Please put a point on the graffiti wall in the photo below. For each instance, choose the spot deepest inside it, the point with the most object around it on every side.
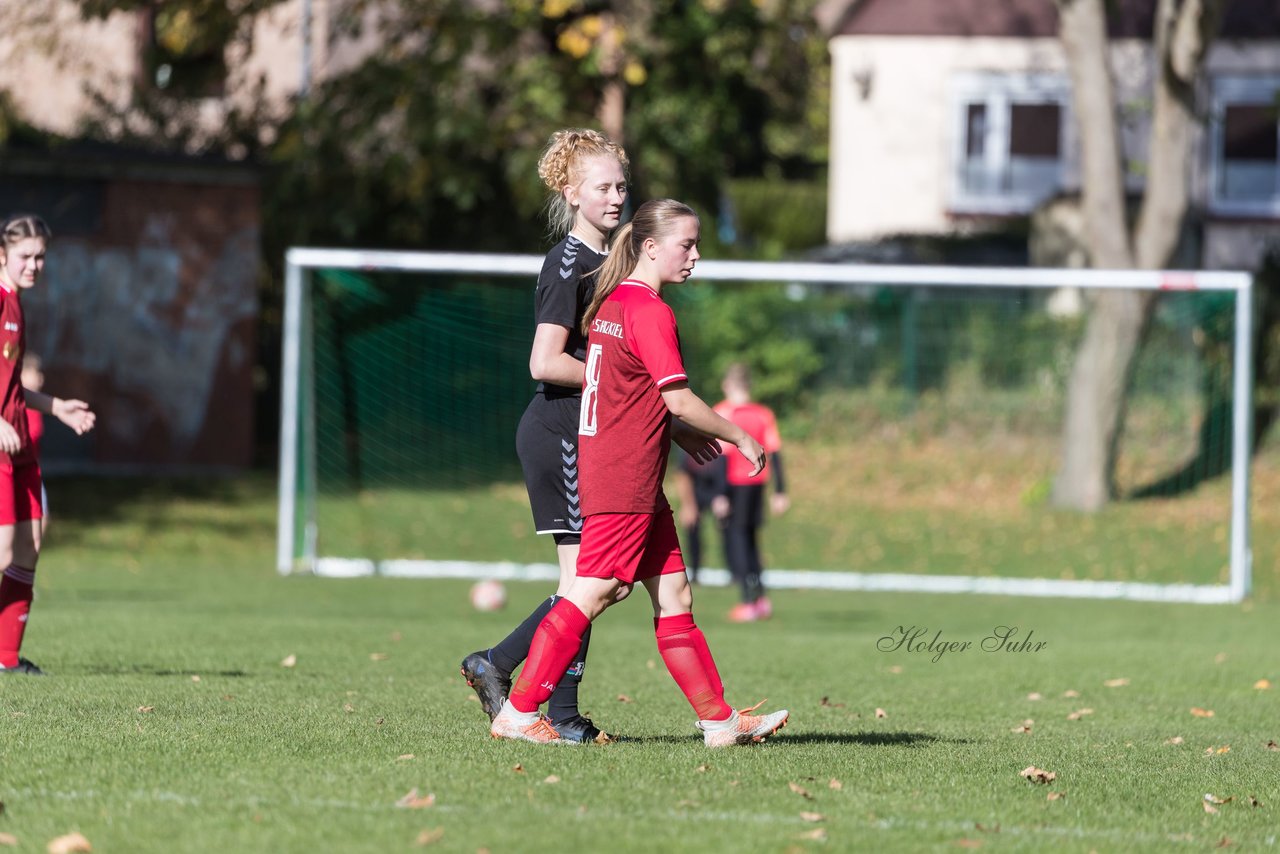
(150, 315)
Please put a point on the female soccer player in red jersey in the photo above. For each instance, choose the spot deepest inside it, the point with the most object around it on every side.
(585, 173)
(23, 241)
(635, 387)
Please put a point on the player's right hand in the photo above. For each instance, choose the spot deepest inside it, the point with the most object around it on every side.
(9, 441)
(751, 449)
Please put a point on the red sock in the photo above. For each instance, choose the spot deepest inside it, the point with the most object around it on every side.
(558, 638)
(15, 604)
(685, 652)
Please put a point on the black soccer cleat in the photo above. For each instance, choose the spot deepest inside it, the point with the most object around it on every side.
(24, 667)
(490, 685)
(580, 730)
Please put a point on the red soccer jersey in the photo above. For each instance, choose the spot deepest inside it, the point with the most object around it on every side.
(13, 406)
(757, 419)
(625, 428)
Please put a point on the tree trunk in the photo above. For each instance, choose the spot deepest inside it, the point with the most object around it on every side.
(1096, 391)
(1117, 320)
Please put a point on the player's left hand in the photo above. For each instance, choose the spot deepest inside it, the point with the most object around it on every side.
(779, 503)
(76, 414)
(697, 445)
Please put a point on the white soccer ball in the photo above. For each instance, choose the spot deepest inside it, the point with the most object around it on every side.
(488, 595)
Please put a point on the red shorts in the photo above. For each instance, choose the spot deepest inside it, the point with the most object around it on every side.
(630, 546)
(20, 490)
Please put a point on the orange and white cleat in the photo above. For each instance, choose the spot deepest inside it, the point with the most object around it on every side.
(534, 727)
(742, 727)
(743, 612)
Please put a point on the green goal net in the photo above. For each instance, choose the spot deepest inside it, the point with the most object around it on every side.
(922, 412)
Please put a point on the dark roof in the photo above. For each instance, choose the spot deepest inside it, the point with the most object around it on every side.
(1242, 20)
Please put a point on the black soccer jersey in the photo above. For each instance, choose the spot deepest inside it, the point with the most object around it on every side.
(565, 287)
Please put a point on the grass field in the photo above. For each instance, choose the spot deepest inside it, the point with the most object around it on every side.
(171, 723)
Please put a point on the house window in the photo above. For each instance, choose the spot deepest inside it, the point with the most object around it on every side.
(1244, 172)
(1009, 141)
(184, 49)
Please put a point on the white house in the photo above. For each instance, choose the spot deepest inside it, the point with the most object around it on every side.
(949, 113)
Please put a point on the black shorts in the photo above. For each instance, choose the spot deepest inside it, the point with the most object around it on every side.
(746, 506)
(547, 443)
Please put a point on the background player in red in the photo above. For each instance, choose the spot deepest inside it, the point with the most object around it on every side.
(23, 242)
(586, 174)
(742, 506)
(635, 388)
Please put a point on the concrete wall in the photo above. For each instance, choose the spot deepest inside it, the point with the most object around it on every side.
(148, 310)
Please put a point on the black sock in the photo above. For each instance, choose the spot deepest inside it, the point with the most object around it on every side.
(564, 700)
(514, 648)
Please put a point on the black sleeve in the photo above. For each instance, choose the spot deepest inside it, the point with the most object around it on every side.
(775, 463)
(556, 300)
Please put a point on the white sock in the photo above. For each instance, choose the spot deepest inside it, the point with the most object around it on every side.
(515, 714)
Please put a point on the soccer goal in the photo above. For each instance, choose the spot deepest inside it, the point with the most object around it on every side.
(922, 411)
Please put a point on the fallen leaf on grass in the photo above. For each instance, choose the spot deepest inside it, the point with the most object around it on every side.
(1271, 745)
(396, 637)
(1209, 808)
(1177, 739)
(1116, 683)
(968, 843)
(1213, 751)
(812, 816)
(1025, 728)
(826, 701)
(429, 837)
(551, 779)
(412, 801)
(623, 698)
(1262, 684)
(985, 829)
(880, 713)
(1219, 658)
(289, 661)
(800, 790)
(702, 769)
(68, 844)
(145, 709)
(651, 664)
(686, 804)
(835, 784)
(518, 768)
(8, 839)
(1198, 712)
(378, 656)
(1035, 695)
(1071, 693)
(1078, 714)
(818, 834)
(348, 708)
(1217, 801)
(897, 668)
(1224, 842)
(1254, 802)
(195, 678)
(403, 756)
(1038, 775)
(1056, 796)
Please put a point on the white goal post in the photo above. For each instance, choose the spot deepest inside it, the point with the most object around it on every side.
(296, 549)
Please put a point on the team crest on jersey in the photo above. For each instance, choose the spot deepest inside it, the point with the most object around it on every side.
(10, 351)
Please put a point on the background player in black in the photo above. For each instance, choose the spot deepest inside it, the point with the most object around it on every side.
(586, 174)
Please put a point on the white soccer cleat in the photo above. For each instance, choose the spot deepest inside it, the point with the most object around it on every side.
(742, 727)
(532, 726)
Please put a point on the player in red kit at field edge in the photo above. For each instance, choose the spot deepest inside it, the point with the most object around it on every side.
(634, 391)
(23, 241)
